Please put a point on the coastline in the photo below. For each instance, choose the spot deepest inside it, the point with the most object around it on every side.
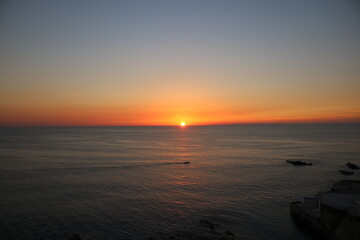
(334, 214)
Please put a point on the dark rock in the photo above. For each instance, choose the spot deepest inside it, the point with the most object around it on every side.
(301, 163)
(307, 214)
(228, 233)
(352, 166)
(333, 214)
(204, 230)
(298, 163)
(74, 237)
(344, 172)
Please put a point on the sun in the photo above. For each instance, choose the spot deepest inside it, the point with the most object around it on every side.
(183, 124)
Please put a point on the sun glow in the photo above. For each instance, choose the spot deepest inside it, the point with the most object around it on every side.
(183, 124)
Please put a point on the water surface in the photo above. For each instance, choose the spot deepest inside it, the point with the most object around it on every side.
(129, 182)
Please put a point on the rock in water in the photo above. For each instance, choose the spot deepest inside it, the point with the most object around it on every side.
(74, 237)
(344, 172)
(352, 166)
(204, 230)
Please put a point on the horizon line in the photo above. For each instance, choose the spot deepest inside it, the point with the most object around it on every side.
(189, 125)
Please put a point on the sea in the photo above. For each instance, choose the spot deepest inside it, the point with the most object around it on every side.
(131, 182)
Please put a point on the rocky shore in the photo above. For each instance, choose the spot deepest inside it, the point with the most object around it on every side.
(334, 214)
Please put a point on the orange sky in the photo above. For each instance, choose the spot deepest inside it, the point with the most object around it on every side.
(42, 110)
(199, 100)
(161, 64)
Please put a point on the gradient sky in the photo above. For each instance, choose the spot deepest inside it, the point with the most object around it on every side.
(80, 63)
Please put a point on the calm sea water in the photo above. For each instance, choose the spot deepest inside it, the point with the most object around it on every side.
(128, 182)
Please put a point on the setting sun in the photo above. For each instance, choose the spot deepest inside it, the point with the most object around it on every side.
(183, 124)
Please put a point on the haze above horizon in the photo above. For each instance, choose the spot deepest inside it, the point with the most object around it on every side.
(136, 63)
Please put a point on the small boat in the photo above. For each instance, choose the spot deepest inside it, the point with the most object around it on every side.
(345, 172)
(186, 162)
(352, 166)
(298, 163)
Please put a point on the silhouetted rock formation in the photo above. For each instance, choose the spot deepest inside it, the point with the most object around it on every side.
(204, 230)
(352, 166)
(335, 214)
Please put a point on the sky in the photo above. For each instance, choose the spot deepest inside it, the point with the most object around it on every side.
(120, 63)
